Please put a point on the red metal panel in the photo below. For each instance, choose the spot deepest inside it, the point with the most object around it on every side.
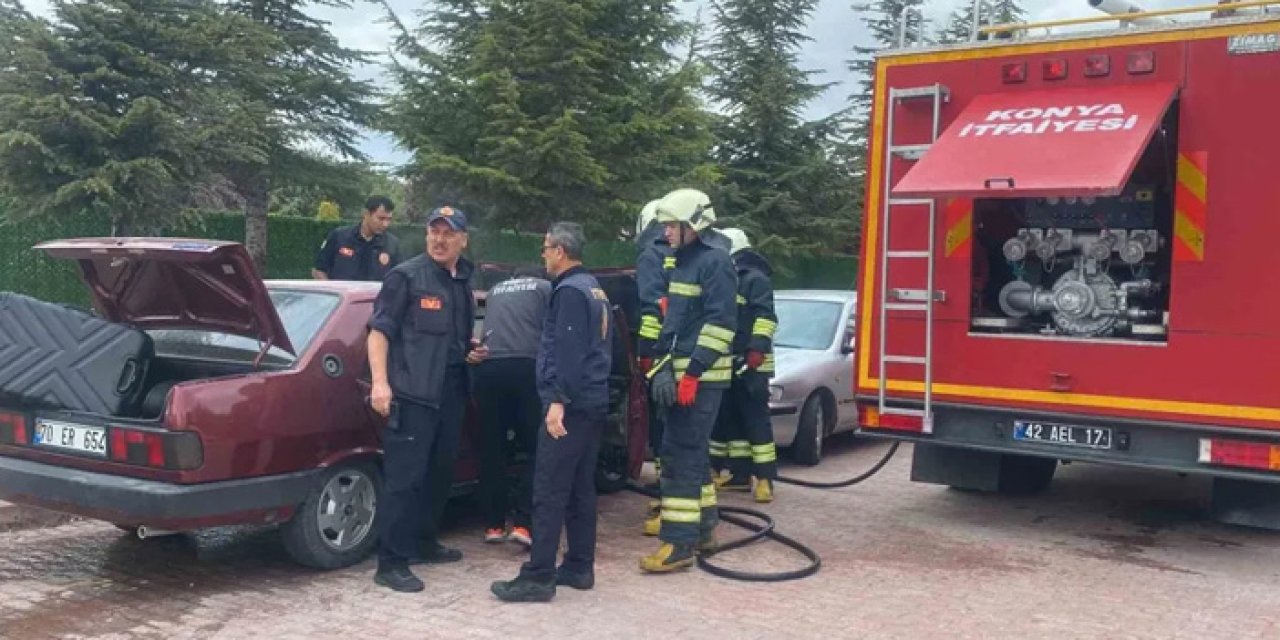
(1075, 141)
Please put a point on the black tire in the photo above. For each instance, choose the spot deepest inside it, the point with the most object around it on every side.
(1025, 475)
(322, 543)
(611, 470)
(810, 431)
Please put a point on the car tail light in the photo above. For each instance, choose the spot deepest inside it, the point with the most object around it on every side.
(1141, 62)
(871, 418)
(1055, 69)
(13, 428)
(1013, 72)
(1239, 453)
(1097, 66)
(160, 449)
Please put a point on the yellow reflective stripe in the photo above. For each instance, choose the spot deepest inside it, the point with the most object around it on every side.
(764, 327)
(669, 262)
(741, 300)
(718, 448)
(762, 453)
(717, 376)
(685, 289)
(715, 344)
(683, 517)
(682, 509)
(650, 327)
(739, 449)
(717, 332)
(720, 371)
(708, 496)
(723, 362)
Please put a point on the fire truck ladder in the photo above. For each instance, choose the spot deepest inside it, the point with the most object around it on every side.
(908, 300)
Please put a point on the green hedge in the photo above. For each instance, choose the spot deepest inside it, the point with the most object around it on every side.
(294, 241)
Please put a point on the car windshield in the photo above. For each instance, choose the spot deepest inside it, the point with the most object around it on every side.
(301, 312)
(806, 324)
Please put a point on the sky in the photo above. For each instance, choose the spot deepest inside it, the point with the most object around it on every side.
(834, 29)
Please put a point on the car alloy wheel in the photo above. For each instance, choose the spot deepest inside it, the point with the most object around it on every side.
(345, 510)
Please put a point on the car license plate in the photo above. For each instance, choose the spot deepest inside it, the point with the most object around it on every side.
(73, 437)
(1065, 434)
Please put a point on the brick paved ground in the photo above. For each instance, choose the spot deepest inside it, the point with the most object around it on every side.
(1107, 553)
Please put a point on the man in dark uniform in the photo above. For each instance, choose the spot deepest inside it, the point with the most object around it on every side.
(653, 261)
(362, 251)
(574, 359)
(690, 378)
(743, 426)
(419, 346)
(506, 391)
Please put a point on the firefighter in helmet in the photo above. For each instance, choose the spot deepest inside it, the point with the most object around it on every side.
(743, 430)
(654, 260)
(690, 374)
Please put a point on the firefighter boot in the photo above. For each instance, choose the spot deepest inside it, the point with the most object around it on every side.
(653, 521)
(733, 483)
(764, 490)
(668, 558)
(653, 525)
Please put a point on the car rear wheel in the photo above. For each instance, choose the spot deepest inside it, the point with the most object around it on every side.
(812, 427)
(335, 526)
(611, 470)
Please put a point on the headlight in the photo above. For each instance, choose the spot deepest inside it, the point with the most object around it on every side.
(775, 394)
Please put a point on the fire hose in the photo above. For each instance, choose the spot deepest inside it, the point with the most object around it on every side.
(766, 528)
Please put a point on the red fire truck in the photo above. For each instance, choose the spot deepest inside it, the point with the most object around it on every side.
(1067, 245)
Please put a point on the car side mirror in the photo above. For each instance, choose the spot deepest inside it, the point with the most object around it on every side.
(846, 347)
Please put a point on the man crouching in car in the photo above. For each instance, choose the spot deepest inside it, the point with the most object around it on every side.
(419, 346)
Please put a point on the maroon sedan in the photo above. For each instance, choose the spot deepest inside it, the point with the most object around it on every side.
(256, 411)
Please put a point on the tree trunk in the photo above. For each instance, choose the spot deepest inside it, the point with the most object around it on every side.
(255, 192)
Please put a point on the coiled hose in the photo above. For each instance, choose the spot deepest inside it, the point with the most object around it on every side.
(766, 529)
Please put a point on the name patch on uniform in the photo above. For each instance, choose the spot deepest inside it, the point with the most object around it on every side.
(346, 252)
(431, 303)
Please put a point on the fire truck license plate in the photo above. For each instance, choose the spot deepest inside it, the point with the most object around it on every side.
(1071, 435)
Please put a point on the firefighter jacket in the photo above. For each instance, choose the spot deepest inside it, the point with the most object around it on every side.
(701, 315)
(653, 263)
(756, 318)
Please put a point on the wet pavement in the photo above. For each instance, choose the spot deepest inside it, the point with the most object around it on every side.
(1106, 552)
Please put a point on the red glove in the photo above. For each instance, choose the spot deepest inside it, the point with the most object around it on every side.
(662, 305)
(645, 364)
(755, 359)
(687, 391)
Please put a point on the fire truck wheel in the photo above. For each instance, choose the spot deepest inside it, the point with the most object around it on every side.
(812, 428)
(1025, 475)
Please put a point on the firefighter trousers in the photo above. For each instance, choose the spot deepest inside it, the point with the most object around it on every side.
(742, 440)
(688, 494)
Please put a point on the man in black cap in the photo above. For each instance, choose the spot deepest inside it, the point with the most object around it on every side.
(363, 251)
(419, 347)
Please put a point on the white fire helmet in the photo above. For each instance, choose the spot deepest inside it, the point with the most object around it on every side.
(689, 206)
(737, 239)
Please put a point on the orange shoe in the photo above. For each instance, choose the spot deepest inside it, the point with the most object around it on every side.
(521, 535)
(495, 535)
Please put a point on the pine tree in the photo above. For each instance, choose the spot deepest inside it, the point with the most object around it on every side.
(317, 101)
(780, 184)
(124, 108)
(526, 111)
(959, 26)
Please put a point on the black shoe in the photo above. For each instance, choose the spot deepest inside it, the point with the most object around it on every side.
(438, 555)
(398, 579)
(580, 581)
(523, 590)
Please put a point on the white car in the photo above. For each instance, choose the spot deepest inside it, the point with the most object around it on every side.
(811, 392)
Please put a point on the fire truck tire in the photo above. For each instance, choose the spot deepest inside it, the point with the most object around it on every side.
(1025, 475)
(806, 449)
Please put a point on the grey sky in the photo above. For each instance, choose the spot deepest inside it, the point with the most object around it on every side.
(834, 28)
